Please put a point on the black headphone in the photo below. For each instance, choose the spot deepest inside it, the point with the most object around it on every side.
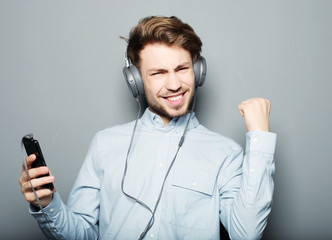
(135, 83)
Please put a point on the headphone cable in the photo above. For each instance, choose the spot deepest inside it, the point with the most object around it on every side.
(151, 221)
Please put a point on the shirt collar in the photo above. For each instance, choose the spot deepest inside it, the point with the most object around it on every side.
(154, 121)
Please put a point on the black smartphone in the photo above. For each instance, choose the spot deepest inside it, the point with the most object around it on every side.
(32, 147)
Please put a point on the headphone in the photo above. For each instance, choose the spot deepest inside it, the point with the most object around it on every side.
(135, 83)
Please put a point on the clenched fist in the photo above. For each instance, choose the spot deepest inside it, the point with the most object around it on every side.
(256, 112)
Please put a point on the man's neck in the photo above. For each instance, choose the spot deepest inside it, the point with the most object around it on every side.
(166, 120)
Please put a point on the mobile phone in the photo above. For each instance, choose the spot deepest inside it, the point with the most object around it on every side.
(32, 146)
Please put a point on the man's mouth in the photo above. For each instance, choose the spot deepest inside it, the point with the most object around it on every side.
(176, 99)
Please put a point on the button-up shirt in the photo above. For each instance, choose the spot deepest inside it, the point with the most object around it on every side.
(212, 180)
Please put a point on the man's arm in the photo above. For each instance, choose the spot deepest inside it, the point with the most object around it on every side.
(59, 220)
(246, 185)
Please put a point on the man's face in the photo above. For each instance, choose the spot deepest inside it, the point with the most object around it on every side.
(168, 79)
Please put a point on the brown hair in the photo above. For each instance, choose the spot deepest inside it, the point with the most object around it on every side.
(166, 30)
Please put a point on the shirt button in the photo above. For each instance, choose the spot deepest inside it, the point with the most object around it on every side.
(151, 235)
(51, 210)
(161, 165)
(194, 184)
(255, 139)
(54, 230)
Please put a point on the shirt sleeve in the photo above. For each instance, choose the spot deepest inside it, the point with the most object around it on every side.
(79, 218)
(246, 187)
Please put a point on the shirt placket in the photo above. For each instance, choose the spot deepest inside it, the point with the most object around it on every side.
(161, 166)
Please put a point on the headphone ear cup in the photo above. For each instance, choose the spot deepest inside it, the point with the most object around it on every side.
(134, 80)
(200, 70)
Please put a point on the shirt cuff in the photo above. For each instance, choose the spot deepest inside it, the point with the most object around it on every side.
(52, 209)
(261, 141)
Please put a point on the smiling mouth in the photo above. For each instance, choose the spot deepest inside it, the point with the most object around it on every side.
(175, 99)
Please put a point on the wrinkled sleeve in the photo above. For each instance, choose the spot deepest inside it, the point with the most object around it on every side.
(79, 218)
(246, 186)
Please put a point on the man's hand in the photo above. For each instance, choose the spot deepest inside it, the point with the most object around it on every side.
(45, 195)
(256, 112)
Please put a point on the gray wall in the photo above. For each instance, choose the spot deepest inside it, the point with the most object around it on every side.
(60, 72)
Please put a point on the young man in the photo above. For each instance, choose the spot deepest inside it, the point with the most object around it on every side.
(157, 189)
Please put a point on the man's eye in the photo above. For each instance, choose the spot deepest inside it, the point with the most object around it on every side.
(182, 69)
(155, 73)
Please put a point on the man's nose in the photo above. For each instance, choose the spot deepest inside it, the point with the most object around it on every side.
(173, 82)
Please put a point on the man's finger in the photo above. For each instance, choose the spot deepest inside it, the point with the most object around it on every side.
(36, 172)
(41, 193)
(30, 159)
(36, 183)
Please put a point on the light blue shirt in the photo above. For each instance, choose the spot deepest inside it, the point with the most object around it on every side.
(211, 181)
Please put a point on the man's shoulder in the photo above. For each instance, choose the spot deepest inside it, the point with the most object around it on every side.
(117, 128)
(115, 132)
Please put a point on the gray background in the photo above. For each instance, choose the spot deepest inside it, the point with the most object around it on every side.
(60, 72)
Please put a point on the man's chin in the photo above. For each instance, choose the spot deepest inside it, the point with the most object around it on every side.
(169, 113)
